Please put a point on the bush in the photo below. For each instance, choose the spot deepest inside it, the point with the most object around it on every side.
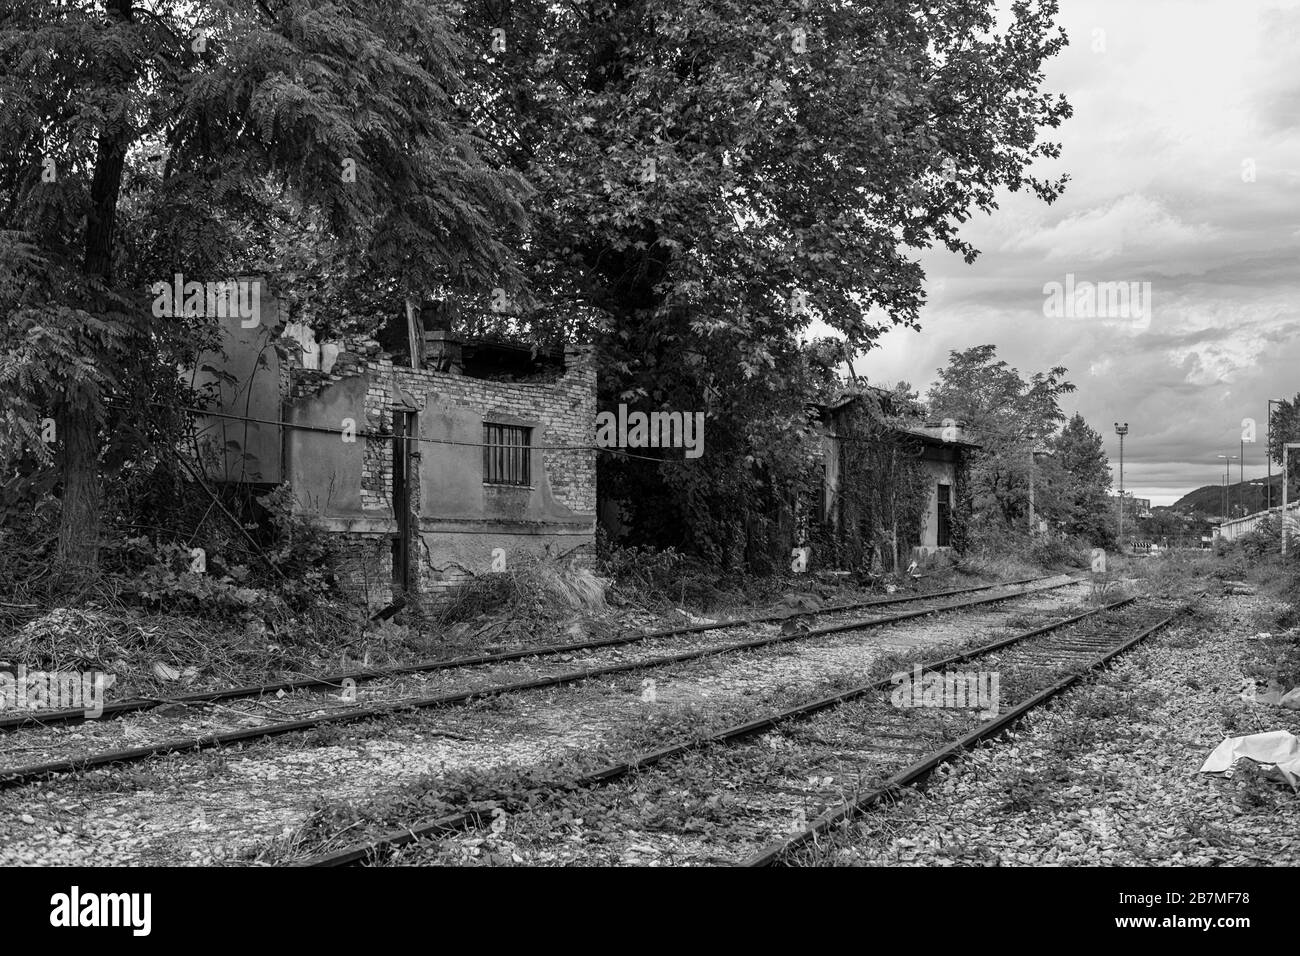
(26, 559)
(171, 580)
(206, 578)
(667, 579)
(637, 568)
(1054, 551)
(299, 548)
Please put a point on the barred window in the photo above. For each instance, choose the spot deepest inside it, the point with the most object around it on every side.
(506, 454)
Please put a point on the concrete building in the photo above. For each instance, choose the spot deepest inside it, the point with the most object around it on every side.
(427, 475)
(1133, 507)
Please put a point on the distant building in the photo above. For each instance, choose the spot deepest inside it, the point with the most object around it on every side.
(1134, 507)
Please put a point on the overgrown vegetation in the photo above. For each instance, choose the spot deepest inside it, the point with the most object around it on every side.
(204, 598)
(883, 490)
(535, 601)
(139, 145)
(625, 140)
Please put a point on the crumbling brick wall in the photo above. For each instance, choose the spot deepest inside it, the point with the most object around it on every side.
(562, 404)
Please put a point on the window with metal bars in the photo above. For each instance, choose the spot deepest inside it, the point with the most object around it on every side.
(506, 454)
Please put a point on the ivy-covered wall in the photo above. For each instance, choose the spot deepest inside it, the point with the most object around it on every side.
(879, 509)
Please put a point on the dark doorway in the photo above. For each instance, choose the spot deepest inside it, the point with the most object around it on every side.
(403, 433)
(945, 516)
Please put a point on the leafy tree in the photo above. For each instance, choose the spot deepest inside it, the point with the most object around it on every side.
(1079, 483)
(689, 183)
(1010, 417)
(1284, 426)
(712, 175)
(139, 141)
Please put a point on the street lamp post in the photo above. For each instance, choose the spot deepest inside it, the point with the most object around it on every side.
(1255, 484)
(1121, 431)
(1241, 477)
(1227, 475)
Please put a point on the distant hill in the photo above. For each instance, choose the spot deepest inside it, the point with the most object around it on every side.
(1208, 500)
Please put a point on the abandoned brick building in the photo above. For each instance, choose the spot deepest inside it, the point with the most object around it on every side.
(430, 469)
(931, 458)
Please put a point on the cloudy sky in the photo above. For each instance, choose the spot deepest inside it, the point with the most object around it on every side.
(1175, 107)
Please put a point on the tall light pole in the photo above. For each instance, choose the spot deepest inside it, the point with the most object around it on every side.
(1241, 477)
(1227, 474)
(1121, 431)
(1255, 484)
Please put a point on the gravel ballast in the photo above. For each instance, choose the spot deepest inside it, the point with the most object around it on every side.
(1107, 775)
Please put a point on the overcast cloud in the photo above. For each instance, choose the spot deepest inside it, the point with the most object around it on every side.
(1166, 117)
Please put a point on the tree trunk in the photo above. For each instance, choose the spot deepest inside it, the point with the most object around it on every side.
(79, 526)
(78, 428)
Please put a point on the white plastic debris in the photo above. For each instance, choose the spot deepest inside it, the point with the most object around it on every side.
(165, 671)
(1277, 748)
(1276, 695)
(695, 620)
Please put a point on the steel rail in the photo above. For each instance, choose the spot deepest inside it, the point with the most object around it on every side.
(134, 705)
(20, 775)
(416, 832)
(773, 853)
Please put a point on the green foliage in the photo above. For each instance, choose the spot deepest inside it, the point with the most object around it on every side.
(884, 488)
(1025, 436)
(821, 167)
(667, 580)
(1283, 427)
(776, 174)
(300, 549)
(1075, 496)
(167, 583)
(130, 151)
(292, 572)
(641, 570)
(1264, 541)
(1057, 552)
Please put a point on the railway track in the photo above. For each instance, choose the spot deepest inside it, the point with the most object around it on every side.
(316, 712)
(823, 827)
(336, 681)
(779, 785)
